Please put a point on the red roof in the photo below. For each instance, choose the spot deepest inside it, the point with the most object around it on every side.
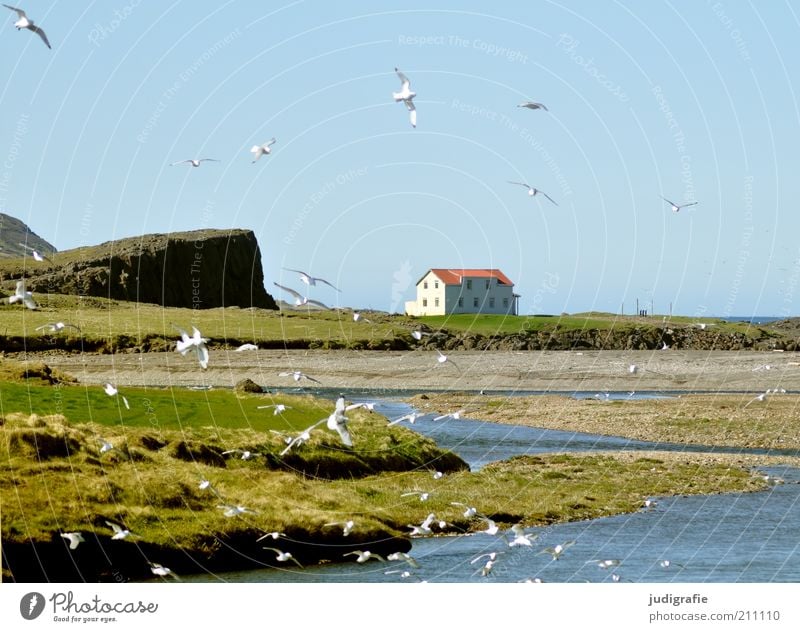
(453, 276)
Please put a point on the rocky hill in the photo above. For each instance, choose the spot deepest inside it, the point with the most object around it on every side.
(14, 233)
(198, 269)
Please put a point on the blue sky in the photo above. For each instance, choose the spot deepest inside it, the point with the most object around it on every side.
(692, 100)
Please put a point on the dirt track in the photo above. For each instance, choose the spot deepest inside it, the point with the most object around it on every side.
(420, 370)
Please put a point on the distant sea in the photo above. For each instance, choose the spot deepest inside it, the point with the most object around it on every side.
(754, 320)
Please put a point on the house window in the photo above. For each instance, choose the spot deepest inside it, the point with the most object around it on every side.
(436, 284)
(487, 283)
(469, 285)
(475, 302)
(436, 302)
(491, 302)
(424, 302)
(505, 302)
(461, 301)
(425, 285)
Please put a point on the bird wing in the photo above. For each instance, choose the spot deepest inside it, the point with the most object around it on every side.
(29, 302)
(270, 143)
(294, 293)
(208, 160)
(344, 434)
(20, 12)
(689, 204)
(202, 355)
(404, 81)
(412, 113)
(548, 197)
(41, 34)
(327, 283)
(523, 184)
(317, 303)
(668, 201)
(51, 327)
(180, 162)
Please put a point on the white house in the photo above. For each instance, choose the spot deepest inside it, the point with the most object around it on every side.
(460, 291)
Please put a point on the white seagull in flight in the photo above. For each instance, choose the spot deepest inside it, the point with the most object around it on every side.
(406, 96)
(283, 556)
(25, 23)
(678, 207)
(195, 162)
(56, 327)
(442, 358)
(310, 280)
(75, 538)
(22, 294)
(111, 391)
(260, 150)
(196, 342)
(297, 376)
(37, 256)
(299, 299)
(533, 190)
(531, 105)
(338, 421)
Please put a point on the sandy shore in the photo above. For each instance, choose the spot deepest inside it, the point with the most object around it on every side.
(419, 370)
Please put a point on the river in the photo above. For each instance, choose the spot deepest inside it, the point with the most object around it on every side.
(749, 537)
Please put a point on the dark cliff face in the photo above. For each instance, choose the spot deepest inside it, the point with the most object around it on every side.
(199, 269)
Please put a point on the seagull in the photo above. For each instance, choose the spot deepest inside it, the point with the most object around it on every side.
(437, 475)
(417, 334)
(338, 422)
(557, 550)
(105, 446)
(234, 510)
(425, 527)
(678, 207)
(111, 391)
(605, 564)
(283, 556)
(491, 526)
(196, 342)
(633, 369)
(260, 150)
(195, 162)
(521, 538)
(120, 532)
(358, 317)
(370, 406)
(410, 418)
(442, 358)
(469, 512)
(272, 534)
(161, 571)
(302, 437)
(531, 105)
(37, 256)
(649, 503)
(487, 568)
(247, 347)
(75, 538)
(406, 96)
(403, 574)
(310, 280)
(25, 23)
(405, 557)
(56, 327)
(423, 496)
(763, 396)
(533, 191)
(300, 300)
(22, 294)
(279, 408)
(297, 376)
(455, 415)
(206, 484)
(363, 556)
(246, 455)
(347, 527)
(668, 564)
